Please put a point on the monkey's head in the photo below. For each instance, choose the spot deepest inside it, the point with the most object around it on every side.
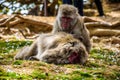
(77, 57)
(67, 15)
(75, 52)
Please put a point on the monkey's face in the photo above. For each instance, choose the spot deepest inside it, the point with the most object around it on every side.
(66, 22)
(73, 52)
(74, 58)
(68, 16)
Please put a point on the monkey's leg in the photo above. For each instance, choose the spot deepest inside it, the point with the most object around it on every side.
(42, 44)
(20, 55)
(26, 52)
(31, 51)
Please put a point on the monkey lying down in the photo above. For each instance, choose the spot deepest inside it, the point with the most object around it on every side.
(59, 48)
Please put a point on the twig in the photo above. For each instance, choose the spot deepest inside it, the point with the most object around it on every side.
(22, 19)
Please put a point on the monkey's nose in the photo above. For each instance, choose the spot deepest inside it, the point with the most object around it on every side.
(65, 13)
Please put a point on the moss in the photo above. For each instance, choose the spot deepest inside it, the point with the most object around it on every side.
(11, 75)
(10, 46)
(38, 75)
(96, 68)
(106, 56)
(62, 77)
(82, 74)
(17, 62)
(2, 72)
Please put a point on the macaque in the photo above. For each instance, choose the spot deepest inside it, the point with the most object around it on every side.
(59, 48)
(68, 20)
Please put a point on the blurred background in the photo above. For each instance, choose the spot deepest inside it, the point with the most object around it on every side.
(48, 7)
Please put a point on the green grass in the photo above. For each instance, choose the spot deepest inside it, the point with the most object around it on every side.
(101, 65)
(17, 62)
(38, 75)
(11, 75)
(9, 46)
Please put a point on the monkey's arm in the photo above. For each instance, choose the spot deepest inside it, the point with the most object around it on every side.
(82, 33)
(20, 55)
(86, 40)
(26, 52)
(55, 27)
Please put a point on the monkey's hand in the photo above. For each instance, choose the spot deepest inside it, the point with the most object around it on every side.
(78, 37)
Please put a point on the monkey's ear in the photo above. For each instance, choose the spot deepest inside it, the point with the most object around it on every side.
(76, 10)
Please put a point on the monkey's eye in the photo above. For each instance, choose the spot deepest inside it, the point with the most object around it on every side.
(66, 19)
(66, 12)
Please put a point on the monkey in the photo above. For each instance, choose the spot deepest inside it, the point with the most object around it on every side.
(69, 20)
(59, 48)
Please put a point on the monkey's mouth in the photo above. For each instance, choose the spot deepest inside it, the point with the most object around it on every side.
(65, 22)
(74, 58)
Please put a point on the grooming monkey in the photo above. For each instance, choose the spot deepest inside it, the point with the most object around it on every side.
(68, 20)
(59, 48)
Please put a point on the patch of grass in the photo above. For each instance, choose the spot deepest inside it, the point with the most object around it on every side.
(11, 75)
(10, 46)
(38, 75)
(117, 75)
(2, 72)
(17, 62)
(98, 66)
(106, 56)
(61, 77)
(93, 64)
(84, 74)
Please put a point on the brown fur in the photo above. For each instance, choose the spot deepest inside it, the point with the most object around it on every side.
(54, 48)
(79, 31)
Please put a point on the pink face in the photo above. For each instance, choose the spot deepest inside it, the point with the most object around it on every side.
(66, 23)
